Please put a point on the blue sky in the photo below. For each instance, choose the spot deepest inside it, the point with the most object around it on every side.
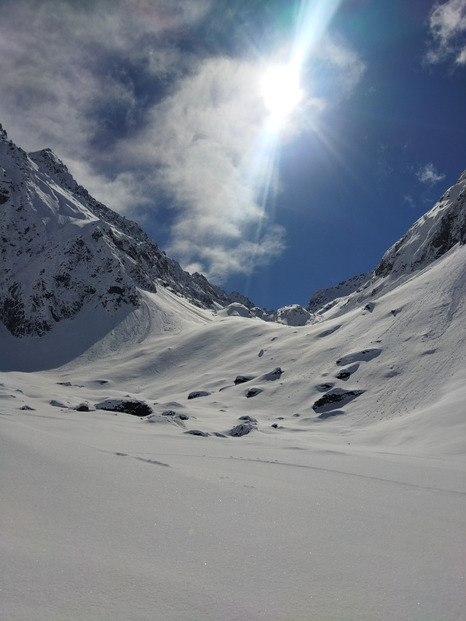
(159, 108)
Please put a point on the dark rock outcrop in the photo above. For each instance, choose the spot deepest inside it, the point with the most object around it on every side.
(127, 406)
(334, 397)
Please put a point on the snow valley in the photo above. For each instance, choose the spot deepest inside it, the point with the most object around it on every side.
(171, 451)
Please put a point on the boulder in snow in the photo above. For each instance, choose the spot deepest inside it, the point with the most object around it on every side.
(127, 406)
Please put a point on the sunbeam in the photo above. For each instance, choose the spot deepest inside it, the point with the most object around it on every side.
(284, 97)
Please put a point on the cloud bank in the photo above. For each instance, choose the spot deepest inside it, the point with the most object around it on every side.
(154, 121)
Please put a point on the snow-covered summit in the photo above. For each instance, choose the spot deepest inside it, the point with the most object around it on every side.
(428, 239)
(62, 250)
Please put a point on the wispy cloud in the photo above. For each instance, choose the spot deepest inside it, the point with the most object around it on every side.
(407, 198)
(149, 119)
(344, 61)
(448, 31)
(428, 174)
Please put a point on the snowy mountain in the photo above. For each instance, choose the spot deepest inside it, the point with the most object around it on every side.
(62, 250)
(433, 235)
(80, 282)
(170, 455)
(325, 298)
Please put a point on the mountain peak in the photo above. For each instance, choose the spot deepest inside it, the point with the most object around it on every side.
(431, 236)
(62, 250)
(428, 239)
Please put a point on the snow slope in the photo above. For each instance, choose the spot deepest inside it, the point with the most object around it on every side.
(284, 472)
(107, 518)
(406, 353)
(353, 511)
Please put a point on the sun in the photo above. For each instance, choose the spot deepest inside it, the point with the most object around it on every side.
(281, 92)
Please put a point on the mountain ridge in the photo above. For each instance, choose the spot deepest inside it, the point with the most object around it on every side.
(63, 250)
(434, 234)
(380, 349)
(104, 256)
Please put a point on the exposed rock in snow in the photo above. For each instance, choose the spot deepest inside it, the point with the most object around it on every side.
(293, 315)
(273, 375)
(198, 393)
(253, 392)
(82, 407)
(57, 404)
(333, 397)
(344, 374)
(197, 432)
(128, 406)
(324, 387)
(243, 429)
(242, 379)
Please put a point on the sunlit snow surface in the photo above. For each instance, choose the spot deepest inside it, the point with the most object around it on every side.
(353, 511)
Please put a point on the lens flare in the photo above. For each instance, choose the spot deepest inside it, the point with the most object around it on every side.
(281, 91)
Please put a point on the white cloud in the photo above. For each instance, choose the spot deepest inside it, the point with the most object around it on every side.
(448, 30)
(429, 174)
(204, 143)
(67, 81)
(217, 263)
(58, 59)
(461, 58)
(122, 192)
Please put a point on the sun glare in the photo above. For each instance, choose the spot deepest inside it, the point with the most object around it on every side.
(281, 91)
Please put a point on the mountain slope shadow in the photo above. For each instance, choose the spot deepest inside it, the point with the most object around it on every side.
(90, 331)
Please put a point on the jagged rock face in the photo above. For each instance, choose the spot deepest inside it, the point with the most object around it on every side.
(56, 255)
(431, 236)
(61, 249)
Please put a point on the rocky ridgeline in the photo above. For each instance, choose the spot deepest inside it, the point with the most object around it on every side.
(61, 250)
(428, 239)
